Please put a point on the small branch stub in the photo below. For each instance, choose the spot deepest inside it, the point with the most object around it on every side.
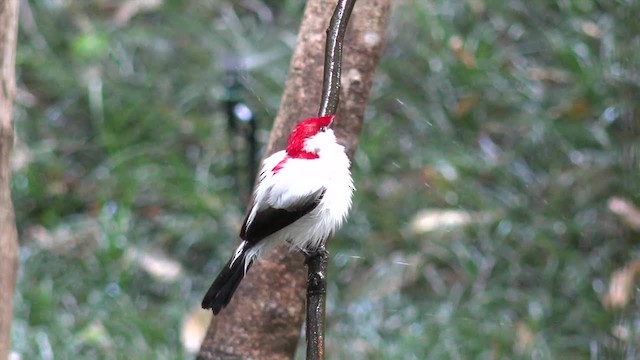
(315, 284)
(315, 281)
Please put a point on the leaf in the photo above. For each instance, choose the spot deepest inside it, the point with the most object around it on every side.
(626, 211)
(621, 286)
(525, 338)
(159, 266)
(456, 44)
(194, 328)
(90, 46)
(438, 219)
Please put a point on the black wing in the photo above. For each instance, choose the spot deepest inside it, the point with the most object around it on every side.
(269, 220)
(222, 289)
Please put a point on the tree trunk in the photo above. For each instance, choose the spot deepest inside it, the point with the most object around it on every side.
(264, 319)
(8, 235)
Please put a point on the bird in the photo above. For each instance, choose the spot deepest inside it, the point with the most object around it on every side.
(303, 195)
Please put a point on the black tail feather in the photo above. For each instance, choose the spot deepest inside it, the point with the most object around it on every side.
(225, 285)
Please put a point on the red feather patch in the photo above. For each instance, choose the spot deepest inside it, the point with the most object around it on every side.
(304, 130)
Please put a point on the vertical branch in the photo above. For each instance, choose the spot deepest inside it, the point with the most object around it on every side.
(316, 302)
(333, 57)
(8, 236)
(317, 262)
(265, 317)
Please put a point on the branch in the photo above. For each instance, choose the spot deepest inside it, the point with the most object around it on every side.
(318, 261)
(264, 319)
(333, 57)
(316, 302)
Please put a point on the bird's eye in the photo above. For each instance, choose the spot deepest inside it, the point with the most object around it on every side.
(323, 129)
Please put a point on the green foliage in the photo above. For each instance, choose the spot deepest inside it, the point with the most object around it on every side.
(522, 113)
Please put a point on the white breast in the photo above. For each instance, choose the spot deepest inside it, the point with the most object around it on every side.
(301, 177)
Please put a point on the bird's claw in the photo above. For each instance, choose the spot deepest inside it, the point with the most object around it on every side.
(314, 253)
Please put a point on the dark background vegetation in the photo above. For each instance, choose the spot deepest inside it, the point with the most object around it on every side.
(496, 175)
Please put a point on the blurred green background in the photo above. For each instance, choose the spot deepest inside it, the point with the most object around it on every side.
(496, 177)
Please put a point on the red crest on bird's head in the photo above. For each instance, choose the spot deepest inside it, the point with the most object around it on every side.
(304, 130)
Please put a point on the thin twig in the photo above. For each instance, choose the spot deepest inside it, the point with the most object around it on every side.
(333, 57)
(316, 300)
(318, 261)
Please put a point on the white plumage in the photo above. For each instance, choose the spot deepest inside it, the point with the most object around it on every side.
(303, 195)
(296, 181)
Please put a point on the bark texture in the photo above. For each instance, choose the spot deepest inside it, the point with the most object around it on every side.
(264, 319)
(8, 235)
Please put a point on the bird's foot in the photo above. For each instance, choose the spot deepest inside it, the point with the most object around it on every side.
(318, 253)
